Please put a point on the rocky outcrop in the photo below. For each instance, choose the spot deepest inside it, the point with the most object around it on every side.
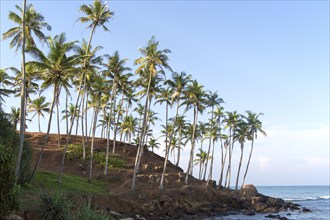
(204, 201)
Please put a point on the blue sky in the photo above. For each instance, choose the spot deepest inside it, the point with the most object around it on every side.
(263, 56)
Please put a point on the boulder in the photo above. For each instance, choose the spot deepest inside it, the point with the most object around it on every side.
(274, 202)
(256, 200)
(260, 206)
(248, 191)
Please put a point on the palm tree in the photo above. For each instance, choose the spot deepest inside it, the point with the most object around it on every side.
(70, 112)
(153, 144)
(164, 97)
(54, 70)
(148, 63)
(180, 124)
(218, 117)
(255, 126)
(5, 80)
(97, 14)
(213, 100)
(231, 120)
(39, 105)
(34, 23)
(90, 63)
(116, 72)
(194, 98)
(128, 127)
(96, 94)
(201, 158)
(14, 116)
(29, 22)
(31, 86)
(177, 85)
(241, 134)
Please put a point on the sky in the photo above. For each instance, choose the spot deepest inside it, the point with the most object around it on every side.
(264, 56)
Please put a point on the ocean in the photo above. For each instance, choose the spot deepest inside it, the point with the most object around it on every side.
(315, 198)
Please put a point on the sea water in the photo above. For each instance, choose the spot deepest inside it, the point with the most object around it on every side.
(315, 198)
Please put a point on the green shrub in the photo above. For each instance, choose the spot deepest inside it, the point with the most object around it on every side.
(75, 151)
(87, 213)
(9, 191)
(55, 205)
(113, 162)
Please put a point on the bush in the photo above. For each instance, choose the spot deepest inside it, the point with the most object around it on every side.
(114, 162)
(55, 205)
(9, 191)
(10, 139)
(87, 213)
(75, 152)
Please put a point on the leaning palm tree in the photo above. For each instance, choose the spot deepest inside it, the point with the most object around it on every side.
(255, 126)
(218, 117)
(39, 106)
(152, 59)
(29, 21)
(194, 98)
(55, 67)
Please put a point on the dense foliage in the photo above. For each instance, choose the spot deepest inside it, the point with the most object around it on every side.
(9, 191)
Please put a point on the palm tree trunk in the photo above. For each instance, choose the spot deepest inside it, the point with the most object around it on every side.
(23, 98)
(239, 166)
(248, 164)
(222, 157)
(179, 147)
(92, 145)
(66, 112)
(190, 165)
(86, 117)
(39, 122)
(58, 119)
(116, 124)
(141, 143)
(229, 160)
(209, 179)
(69, 134)
(167, 147)
(210, 141)
(47, 134)
(113, 93)
(223, 167)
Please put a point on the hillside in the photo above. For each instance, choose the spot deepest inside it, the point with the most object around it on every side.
(177, 200)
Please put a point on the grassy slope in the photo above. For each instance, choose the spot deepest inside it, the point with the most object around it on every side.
(46, 180)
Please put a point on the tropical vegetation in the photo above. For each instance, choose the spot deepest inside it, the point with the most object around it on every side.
(122, 101)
